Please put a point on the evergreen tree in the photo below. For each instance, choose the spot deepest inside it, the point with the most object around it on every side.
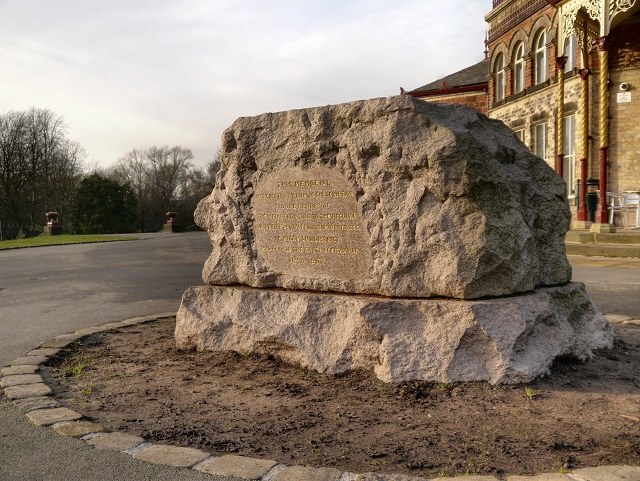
(104, 206)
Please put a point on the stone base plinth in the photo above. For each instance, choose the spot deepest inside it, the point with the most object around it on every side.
(52, 230)
(171, 228)
(501, 340)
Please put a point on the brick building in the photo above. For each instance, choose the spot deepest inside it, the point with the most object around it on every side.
(565, 76)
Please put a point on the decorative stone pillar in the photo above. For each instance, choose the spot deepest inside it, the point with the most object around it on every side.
(583, 212)
(602, 213)
(52, 227)
(560, 63)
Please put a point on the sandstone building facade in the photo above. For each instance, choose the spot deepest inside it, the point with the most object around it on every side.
(565, 76)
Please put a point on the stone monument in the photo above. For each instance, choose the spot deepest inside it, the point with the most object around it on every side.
(417, 240)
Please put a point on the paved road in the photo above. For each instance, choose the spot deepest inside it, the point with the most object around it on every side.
(612, 283)
(48, 291)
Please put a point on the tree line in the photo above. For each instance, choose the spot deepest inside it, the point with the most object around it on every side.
(41, 171)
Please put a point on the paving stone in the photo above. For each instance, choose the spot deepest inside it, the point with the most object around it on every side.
(27, 390)
(541, 477)
(298, 473)
(237, 466)
(172, 455)
(48, 351)
(608, 473)
(471, 478)
(115, 441)
(617, 318)
(136, 320)
(385, 477)
(65, 340)
(91, 330)
(33, 403)
(46, 417)
(24, 369)
(78, 429)
(28, 360)
(60, 342)
(20, 379)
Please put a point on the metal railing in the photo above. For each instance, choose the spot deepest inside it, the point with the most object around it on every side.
(497, 2)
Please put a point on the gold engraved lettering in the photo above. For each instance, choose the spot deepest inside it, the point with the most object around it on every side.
(308, 223)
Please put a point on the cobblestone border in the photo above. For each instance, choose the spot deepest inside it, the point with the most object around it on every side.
(27, 390)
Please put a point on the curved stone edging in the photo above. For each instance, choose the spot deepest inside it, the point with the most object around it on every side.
(27, 390)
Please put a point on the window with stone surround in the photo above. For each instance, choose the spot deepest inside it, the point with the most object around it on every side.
(499, 75)
(518, 69)
(570, 53)
(520, 134)
(540, 140)
(569, 160)
(541, 59)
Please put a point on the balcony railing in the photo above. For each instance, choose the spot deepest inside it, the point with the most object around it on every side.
(497, 2)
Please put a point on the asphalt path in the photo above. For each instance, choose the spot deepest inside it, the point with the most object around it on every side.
(47, 291)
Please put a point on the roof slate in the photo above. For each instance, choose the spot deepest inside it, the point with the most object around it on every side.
(473, 75)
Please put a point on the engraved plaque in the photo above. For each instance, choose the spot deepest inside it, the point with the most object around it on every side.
(308, 223)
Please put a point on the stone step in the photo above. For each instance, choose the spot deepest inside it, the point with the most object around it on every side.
(603, 250)
(586, 237)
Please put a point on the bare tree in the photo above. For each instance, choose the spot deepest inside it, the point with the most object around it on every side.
(35, 156)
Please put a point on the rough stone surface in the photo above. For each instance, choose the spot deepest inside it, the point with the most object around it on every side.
(43, 352)
(23, 369)
(33, 403)
(78, 429)
(505, 340)
(27, 390)
(46, 417)
(115, 441)
(448, 202)
(608, 473)
(171, 455)
(237, 466)
(297, 473)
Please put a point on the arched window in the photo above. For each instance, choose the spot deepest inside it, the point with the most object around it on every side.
(541, 60)
(570, 53)
(500, 84)
(518, 69)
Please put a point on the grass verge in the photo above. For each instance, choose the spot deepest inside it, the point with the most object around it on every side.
(63, 239)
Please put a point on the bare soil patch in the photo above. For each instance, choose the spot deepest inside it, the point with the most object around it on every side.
(134, 380)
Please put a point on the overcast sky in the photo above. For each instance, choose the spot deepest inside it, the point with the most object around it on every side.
(130, 74)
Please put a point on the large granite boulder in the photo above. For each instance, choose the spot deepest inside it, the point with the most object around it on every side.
(391, 196)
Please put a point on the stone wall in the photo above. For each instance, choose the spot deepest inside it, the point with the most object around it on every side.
(624, 140)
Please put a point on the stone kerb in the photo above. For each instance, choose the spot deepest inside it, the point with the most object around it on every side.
(436, 208)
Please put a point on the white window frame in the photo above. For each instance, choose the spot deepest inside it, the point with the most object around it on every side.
(541, 58)
(519, 69)
(570, 52)
(500, 83)
(569, 150)
(520, 134)
(540, 138)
